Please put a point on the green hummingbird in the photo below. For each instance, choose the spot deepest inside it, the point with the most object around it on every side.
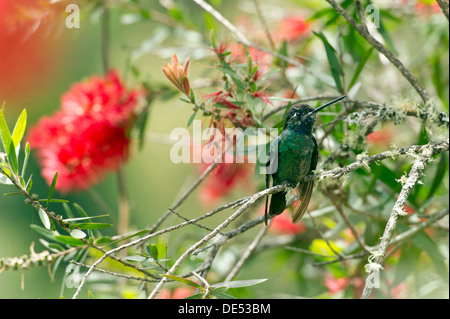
(292, 156)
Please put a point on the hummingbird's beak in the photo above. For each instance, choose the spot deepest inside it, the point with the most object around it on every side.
(327, 104)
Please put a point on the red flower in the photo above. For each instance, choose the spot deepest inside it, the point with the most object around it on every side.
(263, 97)
(220, 97)
(292, 28)
(382, 137)
(282, 224)
(335, 285)
(238, 52)
(223, 178)
(30, 31)
(89, 136)
(178, 293)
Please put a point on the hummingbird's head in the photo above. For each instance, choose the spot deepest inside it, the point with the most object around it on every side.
(300, 116)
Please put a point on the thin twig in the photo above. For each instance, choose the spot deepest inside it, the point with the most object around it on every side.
(216, 231)
(362, 30)
(243, 39)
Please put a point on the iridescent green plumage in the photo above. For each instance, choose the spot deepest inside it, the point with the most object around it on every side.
(293, 155)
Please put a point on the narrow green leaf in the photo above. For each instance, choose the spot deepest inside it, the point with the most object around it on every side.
(68, 240)
(44, 232)
(424, 242)
(191, 119)
(238, 283)
(83, 218)
(387, 38)
(185, 281)
(12, 158)
(92, 225)
(25, 160)
(227, 69)
(19, 128)
(80, 210)
(68, 212)
(153, 251)
(405, 265)
(4, 132)
(221, 293)
(44, 218)
(333, 61)
(440, 174)
(52, 188)
(359, 68)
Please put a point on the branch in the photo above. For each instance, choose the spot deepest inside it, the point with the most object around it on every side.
(212, 234)
(444, 6)
(414, 176)
(365, 161)
(362, 30)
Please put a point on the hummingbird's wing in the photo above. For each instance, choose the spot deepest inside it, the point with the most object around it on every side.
(304, 190)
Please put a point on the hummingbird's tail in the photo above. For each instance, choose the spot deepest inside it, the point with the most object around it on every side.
(277, 204)
(304, 192)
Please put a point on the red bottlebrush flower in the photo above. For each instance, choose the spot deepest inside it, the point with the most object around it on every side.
(178, 293)
(282, 224)
(263, 97)
(335, 285)
(223, 178)
(382, 137)
(427, 8)
(292, 28)
(220, 97)
(102, 99)
(30, 31)
(263, 59)
(89, 136)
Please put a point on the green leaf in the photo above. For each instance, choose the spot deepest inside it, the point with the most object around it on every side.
(44, 218)
(153, 251)
(19, 128)
(52, 188)
(185, 281)
(80, 210)
(191, 119)
(221, 293)
(333, 61)
(4, 131)
(359, 68)
(92, 225)
(83, 218)
(424, 242)
(227, 69)
(135, 258)
(209, 21)
(238, 283)
(387, 38)
(44, 232)
(408, 257)
(76, 233)
(440, 174)
(68, 240)
(68, 211)
(25, 160)
(12, 158)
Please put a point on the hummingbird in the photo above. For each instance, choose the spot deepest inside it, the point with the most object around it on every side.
(292, 156)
